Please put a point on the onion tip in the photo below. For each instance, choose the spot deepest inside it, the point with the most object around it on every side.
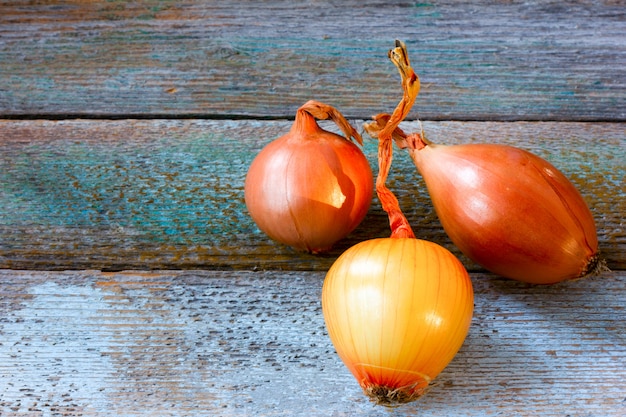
(393, 397)
(595, 266)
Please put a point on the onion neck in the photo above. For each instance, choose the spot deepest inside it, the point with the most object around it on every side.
(306, 123)
(411, 141)
(385, 128)
(400, 227)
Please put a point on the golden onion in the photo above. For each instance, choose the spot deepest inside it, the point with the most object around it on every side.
(397, 311)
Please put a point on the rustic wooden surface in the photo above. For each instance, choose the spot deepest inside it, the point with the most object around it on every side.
(486, 60)
(244, 343)
(132, 280)
(158, 194)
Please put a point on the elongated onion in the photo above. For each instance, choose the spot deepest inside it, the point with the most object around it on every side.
(397, 309)
(310, 187)
(510, 211)
(507, 209)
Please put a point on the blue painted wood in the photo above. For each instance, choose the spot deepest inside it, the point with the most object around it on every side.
(132, 194)
(254, 344)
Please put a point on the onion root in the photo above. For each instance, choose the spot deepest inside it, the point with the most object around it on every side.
(393, 397)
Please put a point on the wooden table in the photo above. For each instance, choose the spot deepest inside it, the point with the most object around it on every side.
(132, 280)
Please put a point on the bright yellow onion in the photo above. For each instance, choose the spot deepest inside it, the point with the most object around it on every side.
(397, 311)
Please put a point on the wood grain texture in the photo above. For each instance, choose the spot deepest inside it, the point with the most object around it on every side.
(126, 131)
(254, 344)
(488, 60)
(163, 194)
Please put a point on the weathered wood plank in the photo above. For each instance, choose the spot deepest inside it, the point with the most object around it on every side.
(488, 60)
(254, 343)
(155, 194)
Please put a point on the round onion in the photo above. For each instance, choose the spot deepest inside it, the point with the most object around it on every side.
(397, 311)
(310, 188)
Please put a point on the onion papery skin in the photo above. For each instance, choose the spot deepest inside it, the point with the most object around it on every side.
(397, 311)
(510, 211)
(309, 188)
